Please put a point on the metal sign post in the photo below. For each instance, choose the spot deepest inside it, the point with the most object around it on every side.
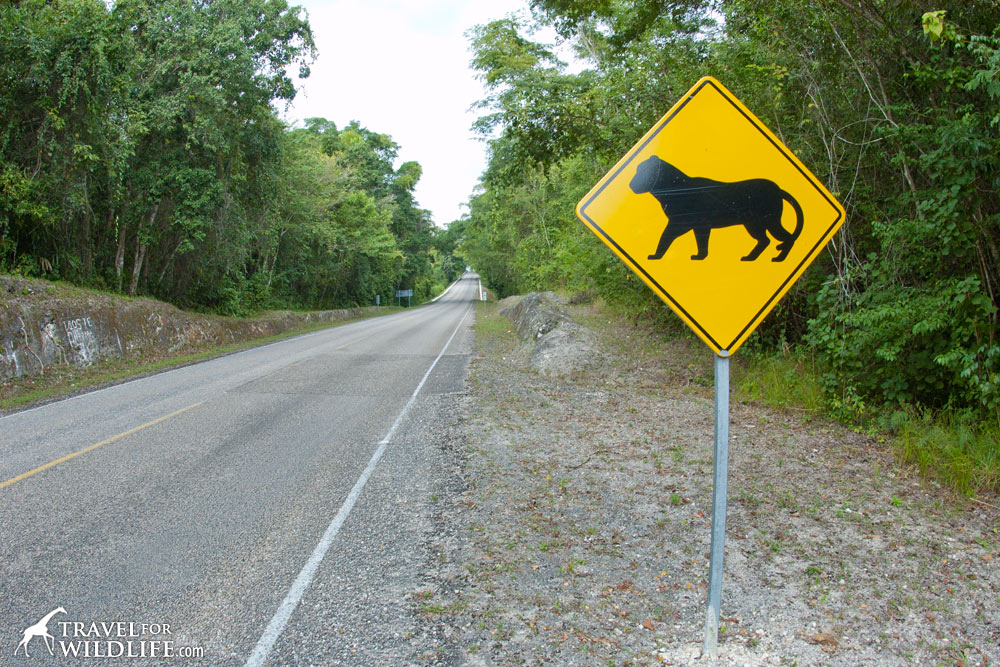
(720, 484)
(709, 168)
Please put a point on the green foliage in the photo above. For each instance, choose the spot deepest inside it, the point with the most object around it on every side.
(141, 151)
(893, 105)
(917, 321)
(891, 343)
(61, 71)
(954, 449)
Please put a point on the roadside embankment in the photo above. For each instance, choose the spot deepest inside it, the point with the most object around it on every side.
(43, 324)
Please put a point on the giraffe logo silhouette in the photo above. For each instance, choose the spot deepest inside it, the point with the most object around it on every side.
(40, 629)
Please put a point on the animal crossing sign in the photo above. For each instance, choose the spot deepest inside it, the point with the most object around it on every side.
(714, 213)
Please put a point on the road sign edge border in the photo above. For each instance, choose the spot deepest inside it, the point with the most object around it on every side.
(796, 273)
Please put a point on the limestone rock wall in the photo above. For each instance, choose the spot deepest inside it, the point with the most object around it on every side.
(43, 324)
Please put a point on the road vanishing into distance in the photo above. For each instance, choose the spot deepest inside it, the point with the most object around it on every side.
(265, 507)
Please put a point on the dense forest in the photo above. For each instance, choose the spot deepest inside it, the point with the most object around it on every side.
(894, 105)
(141, 151)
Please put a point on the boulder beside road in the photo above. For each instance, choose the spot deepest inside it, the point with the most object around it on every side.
(554, 343)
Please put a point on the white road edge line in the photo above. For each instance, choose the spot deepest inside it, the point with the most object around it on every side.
(281, 617)
(447, 289)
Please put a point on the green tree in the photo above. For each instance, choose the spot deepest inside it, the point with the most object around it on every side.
(892, 105)
(64, 133)
(204, 73)
(141, 150)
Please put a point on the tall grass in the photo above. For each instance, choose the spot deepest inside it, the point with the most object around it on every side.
(956, 451)
(785, 381)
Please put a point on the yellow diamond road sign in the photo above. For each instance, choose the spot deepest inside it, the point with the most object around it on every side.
(714, 213)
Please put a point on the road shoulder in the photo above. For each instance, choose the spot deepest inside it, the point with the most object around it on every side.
(581, 535)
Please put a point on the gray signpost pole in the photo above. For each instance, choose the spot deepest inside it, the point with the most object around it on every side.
(609, 210)
(720, 485)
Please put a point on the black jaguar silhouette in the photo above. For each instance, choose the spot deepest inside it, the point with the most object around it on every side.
(700, 205)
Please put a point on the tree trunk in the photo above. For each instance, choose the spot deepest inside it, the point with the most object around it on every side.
(140, 249)
(83, 231)
(120, 255)
(140, 255)
(167, 264)
(83, 246)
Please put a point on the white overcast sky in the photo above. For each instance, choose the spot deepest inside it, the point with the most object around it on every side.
(402, 68)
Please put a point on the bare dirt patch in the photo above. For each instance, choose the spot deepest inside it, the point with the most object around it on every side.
(581, 534)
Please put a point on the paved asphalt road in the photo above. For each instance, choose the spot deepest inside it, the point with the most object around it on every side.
(215, 501)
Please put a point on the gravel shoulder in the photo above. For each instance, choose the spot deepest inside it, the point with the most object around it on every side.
(576, 525)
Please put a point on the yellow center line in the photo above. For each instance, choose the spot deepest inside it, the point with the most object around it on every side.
(113, 438)
(352, 342)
